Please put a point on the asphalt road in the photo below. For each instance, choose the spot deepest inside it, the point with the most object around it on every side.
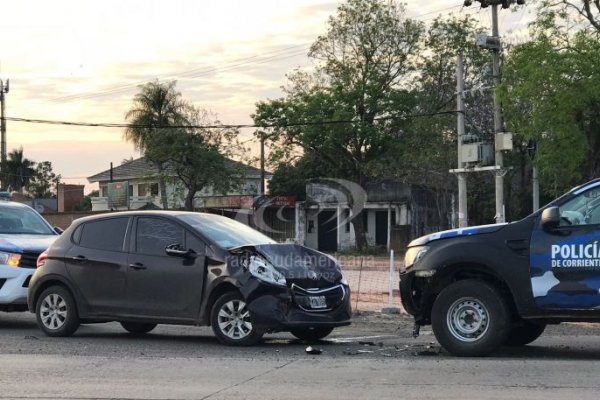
(376, 358)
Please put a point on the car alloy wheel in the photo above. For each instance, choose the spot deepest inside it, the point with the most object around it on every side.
(56, 312)
(234, 319)
(231, 321)
(53, 311)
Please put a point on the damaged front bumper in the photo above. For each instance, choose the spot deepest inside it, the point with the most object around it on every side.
(275, 308)
(415, 297)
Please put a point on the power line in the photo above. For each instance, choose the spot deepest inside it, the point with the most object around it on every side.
(222, 126)
(275, 55)
(197, 72)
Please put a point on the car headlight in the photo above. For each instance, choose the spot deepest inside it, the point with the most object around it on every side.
(263, 270)
(414, 254)
(11, 259)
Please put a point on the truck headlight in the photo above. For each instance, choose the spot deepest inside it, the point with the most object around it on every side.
(414, 254)
(11, 259)
(263, 270)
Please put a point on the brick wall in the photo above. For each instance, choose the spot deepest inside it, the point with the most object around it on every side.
(63, 220)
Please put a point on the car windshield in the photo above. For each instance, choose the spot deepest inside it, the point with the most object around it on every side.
(225, 232)
(23, 221)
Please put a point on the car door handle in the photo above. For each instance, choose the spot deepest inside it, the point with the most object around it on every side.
(79, 258)
(137, 266)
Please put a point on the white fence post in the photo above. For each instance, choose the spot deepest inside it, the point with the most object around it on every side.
(390, 309)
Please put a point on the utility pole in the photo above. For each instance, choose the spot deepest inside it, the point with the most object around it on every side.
(500, 218)
(493, 43)
(262, 164)
(460, 127)
(3, 90)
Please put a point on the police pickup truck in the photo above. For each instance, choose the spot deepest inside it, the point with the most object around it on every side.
(486, 286)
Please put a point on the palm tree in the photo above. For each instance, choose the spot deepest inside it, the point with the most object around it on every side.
(19, 171)
(156, 107)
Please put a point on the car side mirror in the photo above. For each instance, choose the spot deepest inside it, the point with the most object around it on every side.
(550, 218)
(58, 230)
(177, 250)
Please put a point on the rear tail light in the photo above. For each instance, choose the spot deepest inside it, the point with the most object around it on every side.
(41, 261)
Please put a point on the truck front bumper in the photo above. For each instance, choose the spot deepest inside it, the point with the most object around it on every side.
(415, 297)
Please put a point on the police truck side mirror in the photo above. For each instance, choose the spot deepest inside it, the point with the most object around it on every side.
(550, 218)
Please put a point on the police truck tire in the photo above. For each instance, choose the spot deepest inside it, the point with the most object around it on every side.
(524, 332)
(470, 318)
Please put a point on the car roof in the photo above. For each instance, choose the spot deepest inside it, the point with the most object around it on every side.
(146, 213)
(13, 204)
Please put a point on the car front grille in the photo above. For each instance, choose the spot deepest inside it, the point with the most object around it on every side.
(334, 296)
(29, 260)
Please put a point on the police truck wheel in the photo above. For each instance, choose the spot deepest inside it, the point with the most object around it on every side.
(524, 332)
(470, 318)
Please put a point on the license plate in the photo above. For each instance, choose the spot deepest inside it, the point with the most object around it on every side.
(317, 302)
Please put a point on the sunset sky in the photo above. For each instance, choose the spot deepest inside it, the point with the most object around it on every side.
(81, 61)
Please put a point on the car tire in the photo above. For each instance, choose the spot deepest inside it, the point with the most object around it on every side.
(231, 321)
(470, 318)
(56, 312)
(311, 334)
(138, 328)
(524, 332)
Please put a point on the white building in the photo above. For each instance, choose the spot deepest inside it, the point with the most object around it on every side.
(392, 213)
(144, 191)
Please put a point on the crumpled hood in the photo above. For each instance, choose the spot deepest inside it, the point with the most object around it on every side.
(297, 262)
(25, 243)
(468, 231)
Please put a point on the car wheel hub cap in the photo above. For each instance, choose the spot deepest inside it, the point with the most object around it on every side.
(53, 311)
(468, 320)
(234, 320)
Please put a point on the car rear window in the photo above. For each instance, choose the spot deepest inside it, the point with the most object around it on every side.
(106, 234)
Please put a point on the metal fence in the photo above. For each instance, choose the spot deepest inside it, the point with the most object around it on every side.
(370, 280)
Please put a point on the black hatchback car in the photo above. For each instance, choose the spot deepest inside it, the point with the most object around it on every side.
(161, 267)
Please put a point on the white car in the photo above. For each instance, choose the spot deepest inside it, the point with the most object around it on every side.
(24, 234)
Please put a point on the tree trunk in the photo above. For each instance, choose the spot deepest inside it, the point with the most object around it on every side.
(163, 187)
(359, 231)
(189, 199)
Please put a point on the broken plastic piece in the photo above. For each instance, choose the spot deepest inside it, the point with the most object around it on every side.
(312, 350)
(416, 330)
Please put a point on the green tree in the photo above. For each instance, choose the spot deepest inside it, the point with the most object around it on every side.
(43, 180)
(156, 107)
(559, 16)
(87, 201)
(19, 170)
(431, 143)
(289, 179)
(363, 60)
(198, 156)
(551, 95)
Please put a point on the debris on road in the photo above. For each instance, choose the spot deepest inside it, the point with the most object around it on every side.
(312, 350)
